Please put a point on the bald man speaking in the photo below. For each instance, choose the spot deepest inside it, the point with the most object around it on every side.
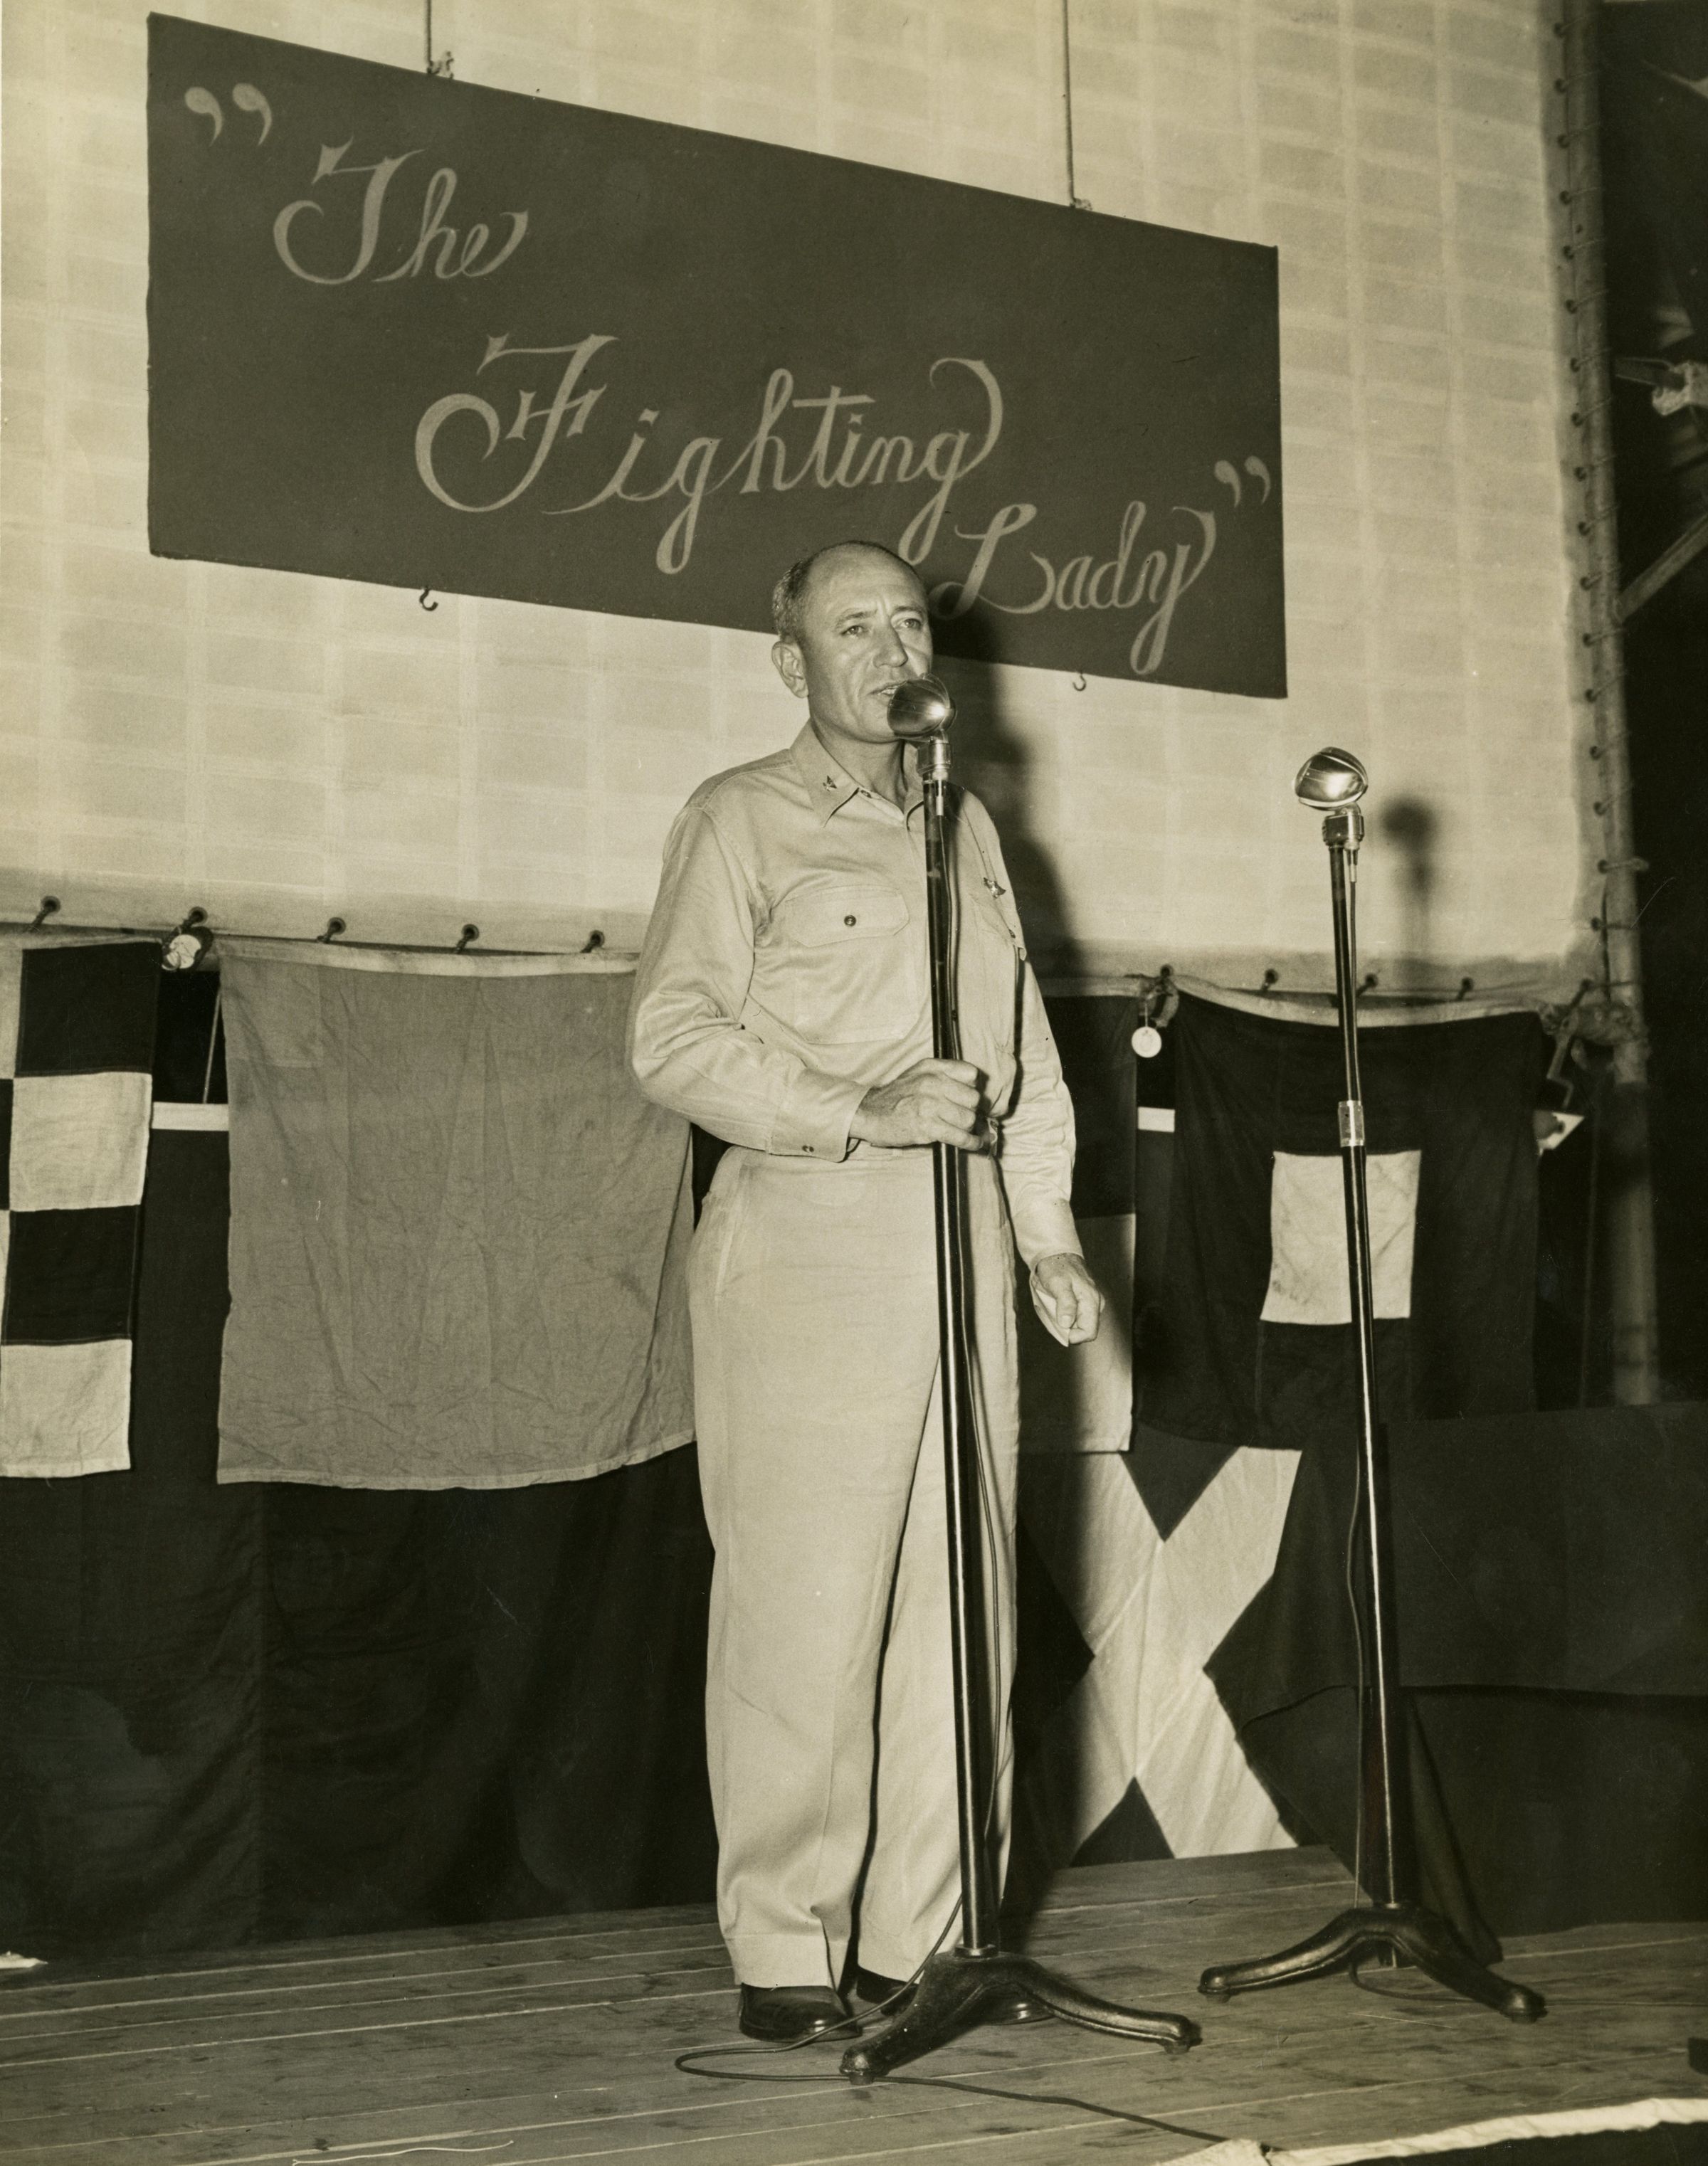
(782, 1003)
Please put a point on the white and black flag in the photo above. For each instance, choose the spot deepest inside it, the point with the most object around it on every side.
(76, 1056)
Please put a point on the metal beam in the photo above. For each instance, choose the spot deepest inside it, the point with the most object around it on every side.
(1628, 1224)
(1666, 567)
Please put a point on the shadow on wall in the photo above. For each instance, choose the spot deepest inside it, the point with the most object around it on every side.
(1064, 1394)
(995, 762)
(1412, 826)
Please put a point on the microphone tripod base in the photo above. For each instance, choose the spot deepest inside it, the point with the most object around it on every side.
(958, 1991)
(1396, 1929)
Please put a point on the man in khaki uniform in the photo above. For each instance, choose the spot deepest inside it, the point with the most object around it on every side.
(782, 1003)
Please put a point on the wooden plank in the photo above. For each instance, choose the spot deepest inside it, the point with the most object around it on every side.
(1074, 1889)
(215, 2017)
(556, 2041)
(291, 1959)
(1259, 2065)
(672, 2011)
(832, 2122)
(1166, 1879)
(668, 2015)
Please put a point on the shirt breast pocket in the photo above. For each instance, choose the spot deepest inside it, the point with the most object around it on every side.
(842, 950)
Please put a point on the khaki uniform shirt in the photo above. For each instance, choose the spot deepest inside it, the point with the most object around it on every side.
(785, 972)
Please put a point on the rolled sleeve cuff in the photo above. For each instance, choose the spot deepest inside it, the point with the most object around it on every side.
(812, 1121)
(1043, 1226)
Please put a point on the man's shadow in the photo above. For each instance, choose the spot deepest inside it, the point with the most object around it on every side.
(996, 763)
(999, 763)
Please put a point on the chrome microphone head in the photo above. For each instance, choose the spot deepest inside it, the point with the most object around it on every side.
(920, 707)
(1329, 780)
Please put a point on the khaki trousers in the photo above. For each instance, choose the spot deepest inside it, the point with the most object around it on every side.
(829, 1720)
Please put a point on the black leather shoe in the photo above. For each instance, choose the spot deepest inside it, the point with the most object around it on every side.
(783, 2014)
(872, 1985)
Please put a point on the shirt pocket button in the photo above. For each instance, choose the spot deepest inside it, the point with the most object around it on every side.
(851, 921)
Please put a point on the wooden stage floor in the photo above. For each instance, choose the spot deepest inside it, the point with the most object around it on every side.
(552, 2039)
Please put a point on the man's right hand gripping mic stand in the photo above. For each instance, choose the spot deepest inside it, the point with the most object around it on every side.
(1390, 1926)
(977, 1981)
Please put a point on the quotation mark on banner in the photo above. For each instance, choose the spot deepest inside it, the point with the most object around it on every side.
(1255, 467)
(244, 96)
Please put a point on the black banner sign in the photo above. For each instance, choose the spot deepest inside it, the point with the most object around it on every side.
(419, 332)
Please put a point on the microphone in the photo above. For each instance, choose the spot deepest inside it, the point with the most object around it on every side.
(1331, 780)
(920, 709)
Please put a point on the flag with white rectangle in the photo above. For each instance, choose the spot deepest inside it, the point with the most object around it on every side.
(76, 1057)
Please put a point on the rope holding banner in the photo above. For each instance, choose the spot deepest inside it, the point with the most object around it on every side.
(1074, 200)
(441, 66)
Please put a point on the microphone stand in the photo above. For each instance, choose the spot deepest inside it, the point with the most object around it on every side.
(1391, 1924)
(977, 1981)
